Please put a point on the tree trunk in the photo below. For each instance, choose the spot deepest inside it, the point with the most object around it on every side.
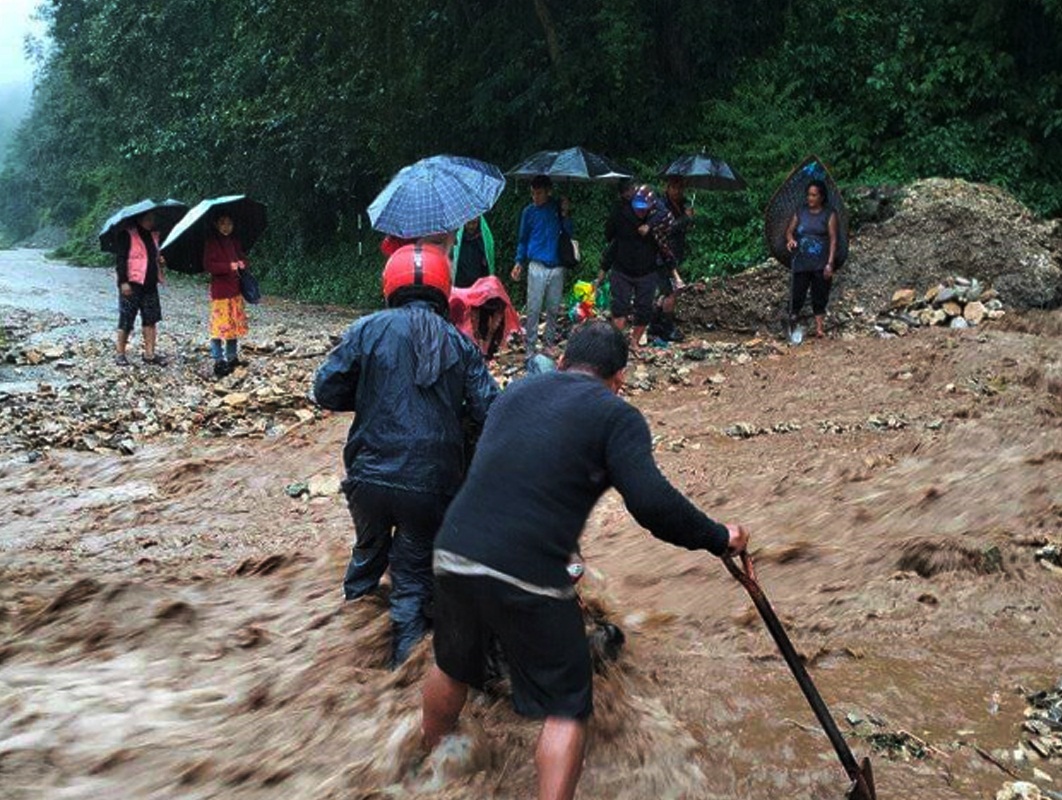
(552, 45)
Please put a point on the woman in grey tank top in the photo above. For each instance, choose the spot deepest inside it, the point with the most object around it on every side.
(812, 239)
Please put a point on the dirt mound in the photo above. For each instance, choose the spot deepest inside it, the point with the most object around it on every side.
(951, 227)
(940, 229)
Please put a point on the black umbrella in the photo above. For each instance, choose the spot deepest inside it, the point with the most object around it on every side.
(183, 248)
(167, 213)
(702, 171)
(573, 164)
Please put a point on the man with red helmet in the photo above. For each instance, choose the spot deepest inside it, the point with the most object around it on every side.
(411, 379)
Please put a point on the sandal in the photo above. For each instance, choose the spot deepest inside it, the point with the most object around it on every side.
(157, 360)
(121, 360)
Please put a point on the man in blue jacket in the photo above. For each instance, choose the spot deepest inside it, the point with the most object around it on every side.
(541, 223)
(411, 378)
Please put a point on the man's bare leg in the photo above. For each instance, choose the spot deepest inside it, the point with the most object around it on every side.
(123, 341)
(443, 700)
(559, 757)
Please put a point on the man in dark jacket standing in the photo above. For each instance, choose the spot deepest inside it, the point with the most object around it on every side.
(637, 248)
(410, 377)
(552, 445)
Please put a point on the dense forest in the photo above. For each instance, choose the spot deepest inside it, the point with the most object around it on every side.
(14, 103)
(311, 107)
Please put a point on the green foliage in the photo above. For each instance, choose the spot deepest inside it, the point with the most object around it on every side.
(312, 109)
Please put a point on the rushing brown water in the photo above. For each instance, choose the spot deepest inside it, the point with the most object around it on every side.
(171, 623)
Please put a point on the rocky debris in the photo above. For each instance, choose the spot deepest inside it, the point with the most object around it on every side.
(664, 367)
(93, 404)
(1042, 729)
(898, 744)
(873, 424)
(323, 485)
(956, 302)
(946, 227)
(940, 228)
(18, 324)
(1019, 790)
(100, 406)
(1050, 556)
(868, 204)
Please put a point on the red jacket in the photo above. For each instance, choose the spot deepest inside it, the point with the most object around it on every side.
(218, 255)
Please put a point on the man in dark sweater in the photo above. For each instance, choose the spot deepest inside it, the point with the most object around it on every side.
(552, 444)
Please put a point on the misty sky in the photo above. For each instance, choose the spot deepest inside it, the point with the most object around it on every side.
(15, 23)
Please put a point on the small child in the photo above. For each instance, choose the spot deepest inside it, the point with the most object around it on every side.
(223, 258)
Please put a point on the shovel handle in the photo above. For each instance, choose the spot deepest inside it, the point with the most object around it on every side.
(745, 574)
(747, 578)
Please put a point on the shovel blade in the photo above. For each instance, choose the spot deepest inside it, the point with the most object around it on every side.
(862, 787)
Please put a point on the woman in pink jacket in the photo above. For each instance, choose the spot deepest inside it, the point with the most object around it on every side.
(223, 258)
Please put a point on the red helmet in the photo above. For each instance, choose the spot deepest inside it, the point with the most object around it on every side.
(417, 272)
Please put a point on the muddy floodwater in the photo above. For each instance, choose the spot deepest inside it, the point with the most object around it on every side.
(171, 623)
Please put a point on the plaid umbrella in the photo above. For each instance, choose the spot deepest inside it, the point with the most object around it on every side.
(166, 215)
(183, 248)
(573, 164)
(701, 171)
(436, 195)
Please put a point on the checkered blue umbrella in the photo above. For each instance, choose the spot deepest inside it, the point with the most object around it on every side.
(436, 195)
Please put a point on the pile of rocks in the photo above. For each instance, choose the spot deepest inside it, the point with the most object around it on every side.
(82, 400)
(1042, 729)
(95, 405)
(955, 303)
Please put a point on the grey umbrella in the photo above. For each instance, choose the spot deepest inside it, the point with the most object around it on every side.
(167, 213)
(573, 164)
(702, 171)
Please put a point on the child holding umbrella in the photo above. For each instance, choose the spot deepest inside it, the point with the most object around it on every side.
(223, 258)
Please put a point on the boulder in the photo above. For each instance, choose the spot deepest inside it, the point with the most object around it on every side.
(974, 313)
(902, 298)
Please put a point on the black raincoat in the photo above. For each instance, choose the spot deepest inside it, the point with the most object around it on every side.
(410, 377)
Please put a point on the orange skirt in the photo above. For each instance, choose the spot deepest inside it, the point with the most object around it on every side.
(228, 318)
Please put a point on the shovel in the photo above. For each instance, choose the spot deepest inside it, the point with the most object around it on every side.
(862, 786)
(795, 330)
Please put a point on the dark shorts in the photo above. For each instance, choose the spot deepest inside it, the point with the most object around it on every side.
(543, 639)
(142, 301)
(628, 290)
